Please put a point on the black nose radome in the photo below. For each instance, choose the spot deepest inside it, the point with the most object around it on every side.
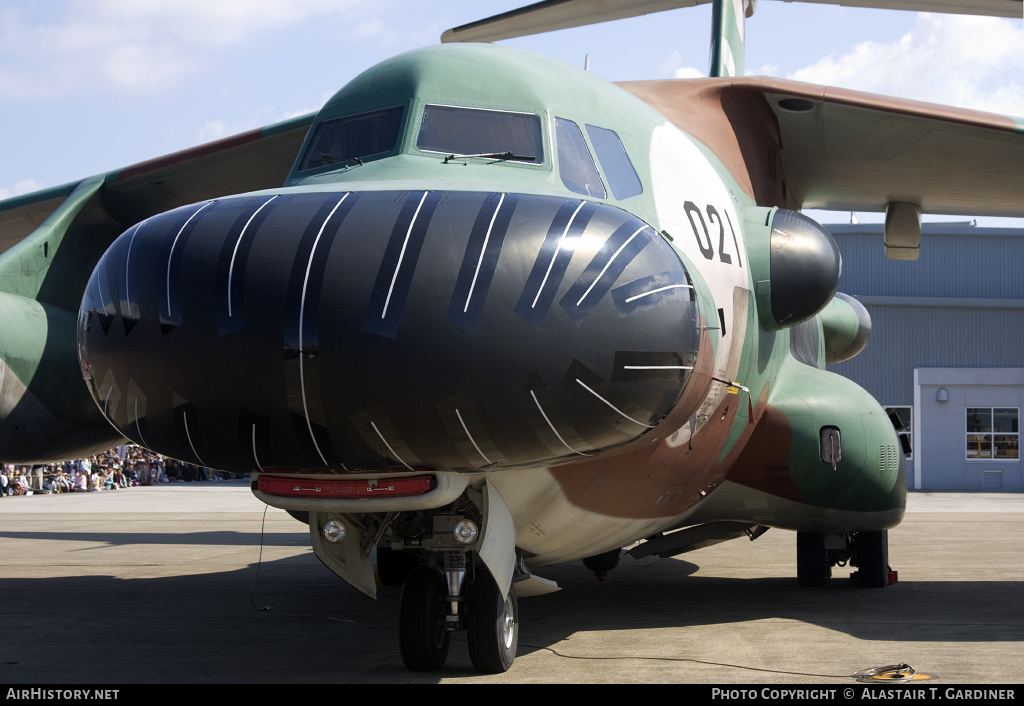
(345, 331)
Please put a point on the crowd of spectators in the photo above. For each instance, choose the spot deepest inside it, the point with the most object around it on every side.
(118, 468)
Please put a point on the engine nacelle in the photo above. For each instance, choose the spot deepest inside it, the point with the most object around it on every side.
(795, 263)
(847, 328)
(46, 412)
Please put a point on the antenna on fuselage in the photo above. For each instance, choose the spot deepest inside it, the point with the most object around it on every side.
(586, 63)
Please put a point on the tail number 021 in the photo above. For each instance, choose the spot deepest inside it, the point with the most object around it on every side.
(703, 235)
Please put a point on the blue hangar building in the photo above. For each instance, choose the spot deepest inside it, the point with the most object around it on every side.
(947, 348)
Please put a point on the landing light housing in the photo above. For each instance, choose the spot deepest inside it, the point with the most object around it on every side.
(466, 532)
(334, 531)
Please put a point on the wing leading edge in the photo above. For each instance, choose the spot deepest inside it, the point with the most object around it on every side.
(253, 160)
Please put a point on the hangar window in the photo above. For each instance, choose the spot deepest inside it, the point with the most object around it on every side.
(993, 433)
(618, 168)
(343, 140)
(471, 131)
(575, 165)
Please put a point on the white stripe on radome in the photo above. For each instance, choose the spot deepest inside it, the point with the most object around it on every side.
(660, 289)
(479, 262)
(580, 453)
(608, 264)
(231, 268)
(555, 254)
(389, 446)
(170, 255)
(611, 405)
(302, 314)
(401, 255)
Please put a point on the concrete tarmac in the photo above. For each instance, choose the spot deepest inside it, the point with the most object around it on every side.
(158, 584)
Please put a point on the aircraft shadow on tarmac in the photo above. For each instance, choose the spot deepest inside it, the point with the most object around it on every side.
(202, 627)
(120, 539)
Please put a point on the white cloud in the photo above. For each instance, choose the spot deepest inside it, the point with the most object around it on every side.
(765, 70)
(969, 62)
(669, 65)
(688, 72)
(25, 186)
(324, 97)
(140, 47)
(212, 130)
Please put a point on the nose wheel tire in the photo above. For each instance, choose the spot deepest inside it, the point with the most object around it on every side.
(493, 625)
(872, 554)
(422, 636)
(812, 564)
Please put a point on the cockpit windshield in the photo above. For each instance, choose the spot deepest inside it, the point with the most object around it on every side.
(472, 131)
(347, 140)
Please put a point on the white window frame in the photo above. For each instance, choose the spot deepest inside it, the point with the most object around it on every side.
(991, 459)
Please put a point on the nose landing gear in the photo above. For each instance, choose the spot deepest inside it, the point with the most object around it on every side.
(434, 605)
(493, 625)
(423, 637)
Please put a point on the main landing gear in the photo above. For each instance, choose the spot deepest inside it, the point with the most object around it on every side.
(817, 553)
(463, 597)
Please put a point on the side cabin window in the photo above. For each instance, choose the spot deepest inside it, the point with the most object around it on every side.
(342, 140)
(575, 165)
(618, 168)
(471, 131)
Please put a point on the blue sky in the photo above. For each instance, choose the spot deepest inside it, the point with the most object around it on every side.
(92, 85)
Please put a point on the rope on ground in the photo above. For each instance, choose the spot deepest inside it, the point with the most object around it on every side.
(252, 591)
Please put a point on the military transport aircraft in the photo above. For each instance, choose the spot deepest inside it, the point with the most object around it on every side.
(485, 312)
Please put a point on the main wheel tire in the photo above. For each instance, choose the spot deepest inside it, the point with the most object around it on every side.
(394, 567)
(493, 625)
(812, 566)
(422, 636)
(872, 551)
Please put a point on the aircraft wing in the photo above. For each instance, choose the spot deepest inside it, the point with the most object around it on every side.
(253, 160)
(550, 15)
(847, 150)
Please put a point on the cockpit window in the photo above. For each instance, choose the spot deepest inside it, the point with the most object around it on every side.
(575, 165)
(618, 168)
(345, 140)
(471, 131)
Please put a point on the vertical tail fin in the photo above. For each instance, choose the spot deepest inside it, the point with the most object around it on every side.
(727, 36)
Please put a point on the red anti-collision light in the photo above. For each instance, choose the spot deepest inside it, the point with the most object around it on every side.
(306, 488)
